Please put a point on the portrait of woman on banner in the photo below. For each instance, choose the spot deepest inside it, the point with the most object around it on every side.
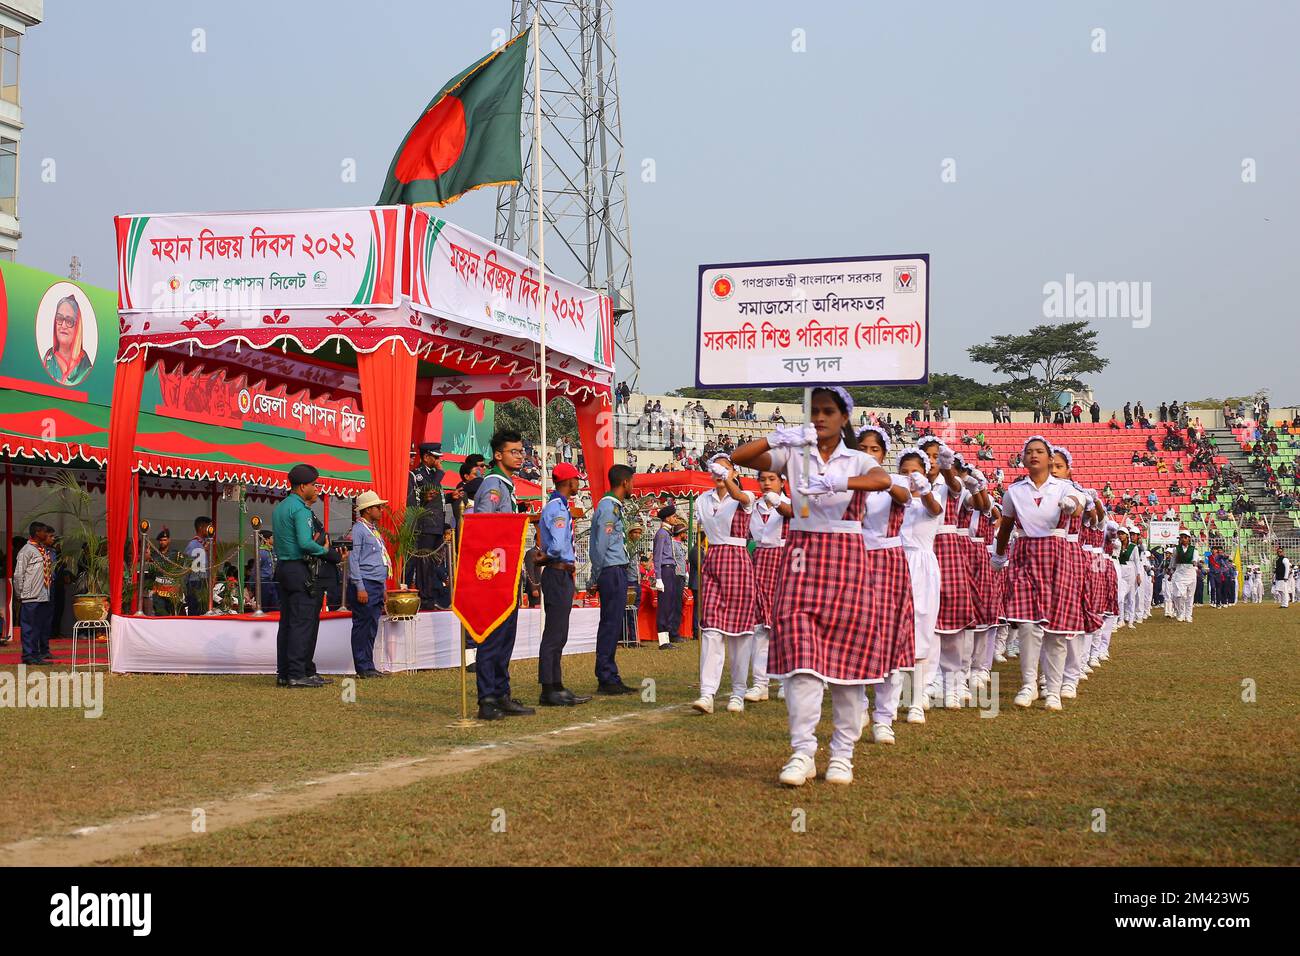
(70, 355)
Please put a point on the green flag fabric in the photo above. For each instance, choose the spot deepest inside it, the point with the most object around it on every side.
(467, 137)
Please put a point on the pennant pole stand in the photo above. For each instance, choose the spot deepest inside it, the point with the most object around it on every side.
(464, 720)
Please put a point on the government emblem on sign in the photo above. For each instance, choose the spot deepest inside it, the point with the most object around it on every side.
(319, 279)
(722, 288)
(245, 401)
(904, 279)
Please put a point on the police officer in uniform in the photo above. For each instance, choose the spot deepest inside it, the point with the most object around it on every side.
(496, 495)
(558, 565)
(295, 577)
(424, 488)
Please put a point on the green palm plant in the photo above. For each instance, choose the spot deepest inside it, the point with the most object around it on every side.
(401, 534)
(84, 549)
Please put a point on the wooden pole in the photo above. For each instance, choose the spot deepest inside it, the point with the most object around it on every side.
(807, 450)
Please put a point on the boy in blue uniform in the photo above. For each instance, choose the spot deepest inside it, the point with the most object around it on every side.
(557, 587)
(496, 495)
(609, 569)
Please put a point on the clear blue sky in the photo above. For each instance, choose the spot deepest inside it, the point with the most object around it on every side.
(1123, 165)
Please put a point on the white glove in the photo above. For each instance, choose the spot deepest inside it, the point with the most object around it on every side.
(971, 483)
(793, 436)
(999, 561)
(659, 584)
(945, 459)
(1069, 504)
(979, 476)
(772, 498)
(920, 484)
(823, 485)
(719, 470)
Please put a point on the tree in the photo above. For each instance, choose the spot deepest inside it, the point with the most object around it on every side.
(1047, 360)
(521, 415)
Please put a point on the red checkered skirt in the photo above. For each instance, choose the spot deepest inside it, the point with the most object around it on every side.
(890, 615)
(1044, 584)
(767, 567)
(982, 597)
(1094, 585)
(727, 582)
(956, 589)
(1110, 601)
(819, 612)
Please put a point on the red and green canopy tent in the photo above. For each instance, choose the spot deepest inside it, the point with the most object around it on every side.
(388, 308)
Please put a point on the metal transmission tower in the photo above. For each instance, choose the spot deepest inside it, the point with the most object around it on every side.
(589, 235)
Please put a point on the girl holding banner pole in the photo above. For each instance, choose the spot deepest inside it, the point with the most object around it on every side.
(821, 597)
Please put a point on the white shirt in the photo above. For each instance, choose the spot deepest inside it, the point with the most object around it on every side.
(875, 522)
(1037, 510)
(766, 524)
(919, 526)
(825, 512)
(714, 515)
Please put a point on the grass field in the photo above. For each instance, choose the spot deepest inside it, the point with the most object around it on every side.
(1160, 741)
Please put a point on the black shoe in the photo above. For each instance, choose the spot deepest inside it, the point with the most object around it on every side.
(281, 681)
(670, 646)
(511, 707)
(575, 698)
(370, 673)
(323, 680)
(303, 682)
(471, 669)
(488, 709)
(556, 698)
(613, 690)
(676, 640)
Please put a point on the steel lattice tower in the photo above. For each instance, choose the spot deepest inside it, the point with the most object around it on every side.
(588, 232)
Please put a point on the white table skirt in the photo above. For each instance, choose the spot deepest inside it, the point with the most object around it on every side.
(216, 645)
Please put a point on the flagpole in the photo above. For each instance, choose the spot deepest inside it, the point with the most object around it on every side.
(541, 233)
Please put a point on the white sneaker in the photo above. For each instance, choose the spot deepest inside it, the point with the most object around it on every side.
(916, 715)
(736, 705)
(1083, 674)
(1000, 658)
(1087, 668)
(977, 682)
(1026, 696)
(1132, 626)
(780, 692)
(798, 770)
(882, 734)
(952, 700)
(756, 693)
(1105, 656)
(1052, 702)
(705, 704)
(839, 770)
(1093, 663)
(1069, 691)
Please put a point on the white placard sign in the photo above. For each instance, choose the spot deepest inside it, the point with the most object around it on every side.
(1161, 533)
(855, 321)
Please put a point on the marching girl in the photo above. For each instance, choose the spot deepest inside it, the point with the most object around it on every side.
(1183, 583)
(1079, 646)
(891, 613)
(822, 590)
(1044, 591)
(973, 519)
(727, 586)
(1114, 588)
(767, 529)
(956, 590)
(1101, 578)
(1254, 585)
(1130, 577)
(920, 522)
(997, 598)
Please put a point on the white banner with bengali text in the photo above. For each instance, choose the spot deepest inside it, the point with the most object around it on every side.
(856, 321)
(1161, 533)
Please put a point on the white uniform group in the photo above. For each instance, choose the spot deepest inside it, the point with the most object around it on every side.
(892, 579)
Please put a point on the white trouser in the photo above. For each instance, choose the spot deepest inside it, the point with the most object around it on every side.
(1033, 641)
(1183, 584)
(888, 694)
(712, 653)
(762, 634)
(1128, 594)
(954, 659)
(1283, 594)
(803, 701)
(981, 658)
(1000, 646)
(1076, 655)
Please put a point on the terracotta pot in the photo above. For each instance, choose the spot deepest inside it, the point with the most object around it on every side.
(90, 607)
(404, 603)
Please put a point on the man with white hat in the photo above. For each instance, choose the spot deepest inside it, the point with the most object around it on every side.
(368, 571)
(1183, 583)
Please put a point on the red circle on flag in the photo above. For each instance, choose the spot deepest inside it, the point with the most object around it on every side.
(435, 144)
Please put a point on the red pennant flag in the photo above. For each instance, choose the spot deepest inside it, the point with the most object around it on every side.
(488, 567)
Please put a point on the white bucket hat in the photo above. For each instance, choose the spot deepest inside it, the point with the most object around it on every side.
(368, 499)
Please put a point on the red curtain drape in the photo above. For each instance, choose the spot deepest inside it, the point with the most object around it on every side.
(123, 420)
(596, 431)
(388, 400)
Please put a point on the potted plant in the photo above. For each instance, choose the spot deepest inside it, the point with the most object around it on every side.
(83, 544)
(401, 535)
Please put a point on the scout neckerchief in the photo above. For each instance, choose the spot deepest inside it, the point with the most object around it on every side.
(47, 564)
(1125, 552)
(501, 473)
(383, 548)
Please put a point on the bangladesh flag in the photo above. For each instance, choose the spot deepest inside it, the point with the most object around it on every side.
(467, 137)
